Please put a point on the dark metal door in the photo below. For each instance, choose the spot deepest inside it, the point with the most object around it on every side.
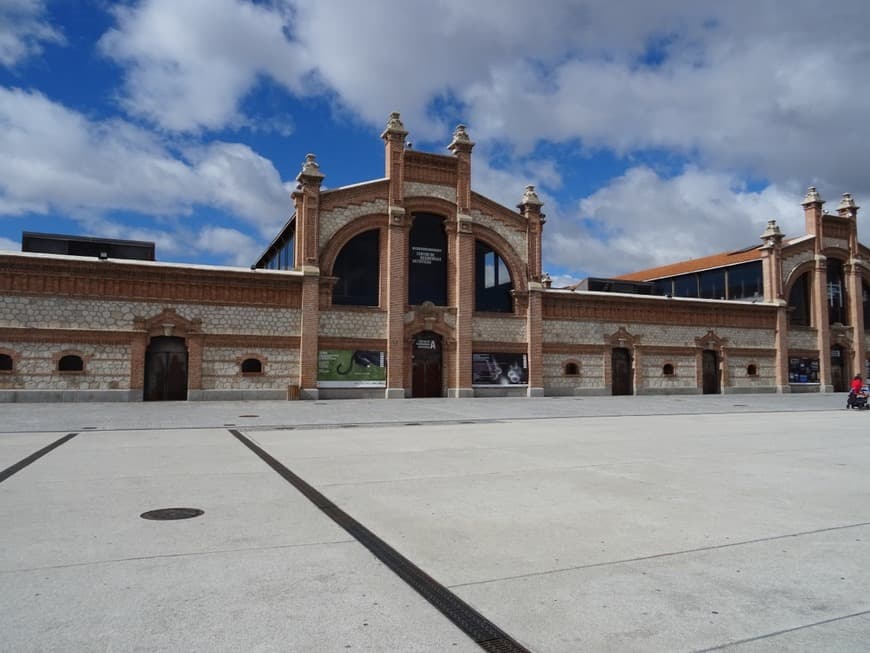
(166, 370)
(709, 372)
(620, 364)
(426, 367)
(838, 371)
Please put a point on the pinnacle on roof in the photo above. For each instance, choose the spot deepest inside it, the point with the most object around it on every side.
(812, 197)
(310, 168)
(461, 140)
(530, 197)
(395, 126)
(847, 202)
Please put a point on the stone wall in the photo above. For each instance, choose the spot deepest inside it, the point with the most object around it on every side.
(499, 329)
(106, 367)
(353, 323)
(334, 219)
(418, 189)
(221, 368)
(799, 338)
(51, 312)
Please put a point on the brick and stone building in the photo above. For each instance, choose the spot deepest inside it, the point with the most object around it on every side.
(414, 285)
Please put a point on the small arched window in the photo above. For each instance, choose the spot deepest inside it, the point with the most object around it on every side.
(492, 281)
(6, 363)
(572, 369)
(70, 363)
(751, 370)
(668, 369)
(357, 269)
(252, 366)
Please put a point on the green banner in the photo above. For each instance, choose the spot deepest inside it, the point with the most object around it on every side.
(351, 368)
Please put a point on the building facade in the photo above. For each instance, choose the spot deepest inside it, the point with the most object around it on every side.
(414, 285)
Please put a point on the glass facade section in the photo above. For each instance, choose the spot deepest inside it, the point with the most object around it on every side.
(745, 281)
(427, 261)
(803, 370)
(799, 302)
(686, 285)
(836, 293)
(711, 284)
(492, 285)
(357, 267)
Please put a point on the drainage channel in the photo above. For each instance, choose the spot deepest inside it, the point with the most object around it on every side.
(21, 464)
(481, 630)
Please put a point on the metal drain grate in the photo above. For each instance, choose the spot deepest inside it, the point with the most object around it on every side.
(166, 514)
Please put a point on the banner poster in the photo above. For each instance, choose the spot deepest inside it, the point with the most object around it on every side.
(351, 368)
(499, 369)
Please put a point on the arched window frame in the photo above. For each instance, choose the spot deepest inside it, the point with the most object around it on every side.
(68, 357)
(245, 358)
(669, 369)
(11, 359)
(371, 272)
(752, 370)
(491, 273)
(571, 368)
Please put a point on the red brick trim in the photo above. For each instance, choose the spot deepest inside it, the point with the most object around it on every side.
(66, 336)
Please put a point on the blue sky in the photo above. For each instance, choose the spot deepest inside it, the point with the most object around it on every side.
(654, 131)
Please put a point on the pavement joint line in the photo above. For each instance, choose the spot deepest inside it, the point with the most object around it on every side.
(785, 631)
(481, 630)
(656, 556)
(189, 554)
(21, 464)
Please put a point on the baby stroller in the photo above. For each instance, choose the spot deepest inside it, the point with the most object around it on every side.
(858, 399)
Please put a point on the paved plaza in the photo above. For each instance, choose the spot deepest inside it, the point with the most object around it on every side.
(736, 522)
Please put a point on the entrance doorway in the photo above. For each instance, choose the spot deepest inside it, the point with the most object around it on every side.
(620, 366)
(838, 369)
(709, 372)
(426, 365)
(166, 369)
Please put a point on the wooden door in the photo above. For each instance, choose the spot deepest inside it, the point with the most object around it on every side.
(709, 372)
(426, 379)
(620, 365)
(166, 370)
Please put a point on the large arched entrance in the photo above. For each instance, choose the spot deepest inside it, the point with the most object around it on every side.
(166, 369)
(426, 365)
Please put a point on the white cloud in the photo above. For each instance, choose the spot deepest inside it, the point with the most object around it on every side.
(642, 220)
(23, 30)
(232, 245)
(55, 159)
(189, 63)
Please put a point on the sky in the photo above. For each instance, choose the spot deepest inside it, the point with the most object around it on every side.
(653, 131)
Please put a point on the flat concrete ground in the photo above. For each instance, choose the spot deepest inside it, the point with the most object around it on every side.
(610, 524)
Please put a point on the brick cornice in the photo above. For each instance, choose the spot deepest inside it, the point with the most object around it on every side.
(131, 282)
(247, 341)
(368, 344)
(84, 336)
(499, 347)
(641, 310)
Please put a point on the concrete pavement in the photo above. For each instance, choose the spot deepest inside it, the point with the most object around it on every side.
(595, 524)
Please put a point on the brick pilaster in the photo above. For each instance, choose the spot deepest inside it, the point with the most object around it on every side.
(530, 207)
(397, 264)
(463, 263)
(307, 199)
(823, 329)
(535, 335)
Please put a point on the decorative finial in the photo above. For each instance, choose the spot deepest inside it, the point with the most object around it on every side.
(461, 140)
(847, 202)
(812, 197)
(395, 126)
(773, 232)
(310, 168)
(546, 280)
(530, 197)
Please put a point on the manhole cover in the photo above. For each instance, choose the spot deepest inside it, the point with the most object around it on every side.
(163, 514)
(248, 415)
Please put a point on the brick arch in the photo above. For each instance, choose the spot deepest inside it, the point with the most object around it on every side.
(14, 356)
(433, 205)
(344, 235)
(503, 248)
(796, 273)
(837, 253)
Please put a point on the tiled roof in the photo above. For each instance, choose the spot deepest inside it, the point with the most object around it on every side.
(694, 265)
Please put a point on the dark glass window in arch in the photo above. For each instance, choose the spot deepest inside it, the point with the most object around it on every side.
(427, 261)
(836, 292)
(5, 363)
(70, 363)
(492, 281)
(799, 302)
(252, 366)
(358, 270)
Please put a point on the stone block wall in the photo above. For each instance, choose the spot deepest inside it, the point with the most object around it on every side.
(106, 366)
(590, 379)
(499, 329)
(354, 323)
(221, 368)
